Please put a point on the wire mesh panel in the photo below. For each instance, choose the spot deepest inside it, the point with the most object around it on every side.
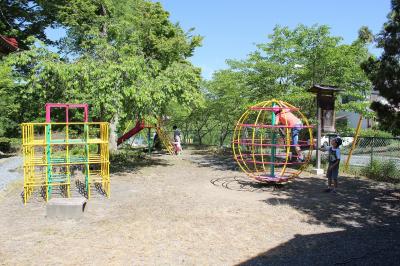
(368, 149)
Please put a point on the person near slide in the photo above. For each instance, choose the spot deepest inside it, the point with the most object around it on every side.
(177, 140)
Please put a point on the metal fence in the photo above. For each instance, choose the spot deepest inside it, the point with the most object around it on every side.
(373, 148)
(367, 148)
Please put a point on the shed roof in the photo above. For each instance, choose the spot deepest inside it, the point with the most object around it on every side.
(324, 89)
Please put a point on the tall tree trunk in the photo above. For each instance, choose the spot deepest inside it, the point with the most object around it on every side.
(113, 133)
(104, 26)
(224, 134)
(199, 136)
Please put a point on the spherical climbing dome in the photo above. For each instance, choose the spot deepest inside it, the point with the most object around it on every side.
(272, 141)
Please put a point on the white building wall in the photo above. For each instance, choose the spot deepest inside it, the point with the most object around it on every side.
(352, 119)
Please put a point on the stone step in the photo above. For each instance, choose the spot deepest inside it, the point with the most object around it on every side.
(66, 208)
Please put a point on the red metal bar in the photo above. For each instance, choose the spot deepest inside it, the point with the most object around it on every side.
(256, 108)
(271, 163)
(272, 126)
(67, 106)
(271, 179)
(269, 145)
(266, 154)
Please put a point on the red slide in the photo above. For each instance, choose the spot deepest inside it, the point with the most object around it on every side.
(138, 127)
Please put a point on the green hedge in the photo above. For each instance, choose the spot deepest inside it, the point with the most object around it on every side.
(349, 132)
(386, 171)
(8, 145)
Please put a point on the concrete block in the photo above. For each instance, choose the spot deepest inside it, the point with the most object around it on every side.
(317, 171)
(66, 208)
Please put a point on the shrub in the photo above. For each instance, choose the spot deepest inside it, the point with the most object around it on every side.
(5, 144)
(8, 145)
(386, 171)
(369, 132)
(375, 133)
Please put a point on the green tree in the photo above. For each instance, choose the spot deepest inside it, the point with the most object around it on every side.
(226, 100)
(125, 58)
(8, 106)
(141, 54)
(384, 72)
(293, 60)
(25, 18)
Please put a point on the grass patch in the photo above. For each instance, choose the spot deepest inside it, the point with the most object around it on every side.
(386, 171)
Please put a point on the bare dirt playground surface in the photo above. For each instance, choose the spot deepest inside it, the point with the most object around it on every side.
(198, 210)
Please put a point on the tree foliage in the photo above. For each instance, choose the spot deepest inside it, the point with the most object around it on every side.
(125, 58)
(285, 67)
(294, 60)
(384, 72)
(25, 18)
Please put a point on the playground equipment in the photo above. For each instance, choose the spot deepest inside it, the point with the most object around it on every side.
(355, 142)
(136, 129)
(140, 125)
(53, 151)
(262, 149)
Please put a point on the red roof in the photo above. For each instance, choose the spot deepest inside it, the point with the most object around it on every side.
(8, 44)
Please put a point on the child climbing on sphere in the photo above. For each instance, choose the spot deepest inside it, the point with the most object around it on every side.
(333, 166)
(285, 117)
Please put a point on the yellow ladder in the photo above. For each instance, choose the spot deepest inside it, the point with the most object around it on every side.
(165, 140)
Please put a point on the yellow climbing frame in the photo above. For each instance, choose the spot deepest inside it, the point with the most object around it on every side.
(53, 152)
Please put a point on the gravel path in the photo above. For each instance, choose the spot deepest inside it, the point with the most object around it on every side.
(197, 210)
(10, 171)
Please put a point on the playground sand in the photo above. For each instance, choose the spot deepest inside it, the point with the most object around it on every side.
(197, 210)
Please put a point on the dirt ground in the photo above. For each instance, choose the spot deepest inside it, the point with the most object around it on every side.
(199, 210)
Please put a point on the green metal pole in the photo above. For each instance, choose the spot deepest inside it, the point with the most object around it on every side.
(86, 133)
(149, 140)
(372, 149)
(273, 148)
(49, 163)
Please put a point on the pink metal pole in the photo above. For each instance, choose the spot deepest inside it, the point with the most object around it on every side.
(48, 120)
(67, 107)
(85, 110)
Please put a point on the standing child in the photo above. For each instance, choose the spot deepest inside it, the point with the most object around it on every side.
(333, 166)
(177, 140)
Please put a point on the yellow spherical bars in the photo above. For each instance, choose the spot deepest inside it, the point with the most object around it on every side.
(272, 141)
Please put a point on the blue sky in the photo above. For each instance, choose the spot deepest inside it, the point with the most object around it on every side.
(231, 28)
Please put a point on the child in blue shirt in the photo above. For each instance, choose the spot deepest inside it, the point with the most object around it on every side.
(333, 166)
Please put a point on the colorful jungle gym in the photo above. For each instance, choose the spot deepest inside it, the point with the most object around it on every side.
(54, 151)
(263, 148)
(140, 125)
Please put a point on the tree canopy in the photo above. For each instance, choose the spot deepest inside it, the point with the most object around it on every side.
(25, 18)
(384, 72)
(125, 58)
(285, 67)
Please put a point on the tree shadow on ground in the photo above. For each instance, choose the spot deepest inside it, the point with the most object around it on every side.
(129, 162)
(239, 183)
(214, 159)
(366, 213)
(6, 155)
